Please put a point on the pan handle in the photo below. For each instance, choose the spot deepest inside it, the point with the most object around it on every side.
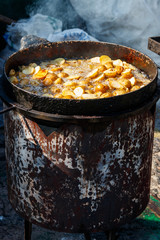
(154, 44)
(7, 109)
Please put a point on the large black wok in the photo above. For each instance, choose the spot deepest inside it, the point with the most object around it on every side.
(80, 49)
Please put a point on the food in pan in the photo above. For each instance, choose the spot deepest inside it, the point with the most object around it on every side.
(97, 77)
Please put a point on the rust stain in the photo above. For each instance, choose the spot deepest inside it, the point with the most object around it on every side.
(95, 175)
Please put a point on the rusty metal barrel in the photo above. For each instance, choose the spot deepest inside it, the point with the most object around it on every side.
(80, 174)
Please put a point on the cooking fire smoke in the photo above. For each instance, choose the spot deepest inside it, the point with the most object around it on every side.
(128, 23)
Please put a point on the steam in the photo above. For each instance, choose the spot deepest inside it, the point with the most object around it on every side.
(60, 9)
(129, 23)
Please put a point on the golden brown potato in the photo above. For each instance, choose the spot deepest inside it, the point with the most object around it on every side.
(28, 70)
(56, 69)
(24, 82)
(62, 75)
(12, 72)
(119, 92)
(134, 88)
(58, 81)
(113, 84)
(47, 82)
(93, 73)
(98, 77)
(101, 88)
(106, 95)
(110, 72)
(119, 69)
(40, 74)
(127, 73)
(104, 59)
(14, 80)
(109, 65)
(102, 68)
(125, 83)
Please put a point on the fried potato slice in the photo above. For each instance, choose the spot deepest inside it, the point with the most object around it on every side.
(93, 73)
(47, 95)
(88, 96)
(95, 60)
(12, 72)
(28, 70)
(119, 92)
(66, 92)
(56, 69)
(104, 59)
(58, 61)
(110, 73)
(13, 80)
(106, 95)
(99, 78)
(58, 81)
(119, 69)
(109, 65)
(125, 83)
(127, 73)
(101, 88)
(62, 75)
(78, 91)
(134, 88)
(41, 74)
(115, 84)
(69, 84)
(133, 81)
(117, 62)
(37, 69)
(71, 77)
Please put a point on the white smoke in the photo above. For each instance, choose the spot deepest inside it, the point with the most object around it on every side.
(129, 23)
(59, 9)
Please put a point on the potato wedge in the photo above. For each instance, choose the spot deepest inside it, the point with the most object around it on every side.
(95, 60)
(12, 72)
(117, 62)
(134, 88)
(13, 80)
(58, 81)
(99, 78)
(78, 91)
(62, 75)
(88, 96)
(127, 73)
(28, 70)
(101, 88)
(133, 81)
(125, 83)
(41, 74)
(119, 92)
(56, 69)
(110, 73)
(106, 95)
(69, 84)
(66, 92)
(58, 61)
(115, 84)
(104, 59)
(72, 77)
(93, 73)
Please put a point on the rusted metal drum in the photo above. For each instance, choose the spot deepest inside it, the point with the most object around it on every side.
(82, 175)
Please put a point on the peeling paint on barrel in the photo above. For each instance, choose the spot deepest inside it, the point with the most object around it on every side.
(90, 176)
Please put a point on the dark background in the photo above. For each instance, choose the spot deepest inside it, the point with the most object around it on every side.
(20, 9)
(14, 9)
